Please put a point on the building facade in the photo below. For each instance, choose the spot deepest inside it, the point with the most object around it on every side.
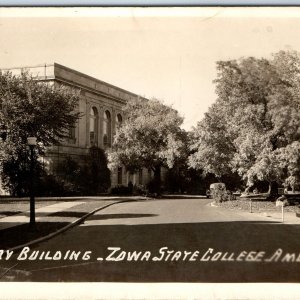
(101, 108)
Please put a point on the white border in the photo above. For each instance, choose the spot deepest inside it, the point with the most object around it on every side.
(170, 12)
(174, 291)
(148, 2)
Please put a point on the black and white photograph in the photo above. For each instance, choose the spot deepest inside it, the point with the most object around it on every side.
(150, 146)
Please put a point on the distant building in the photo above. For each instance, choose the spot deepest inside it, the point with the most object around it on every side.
(101, 106)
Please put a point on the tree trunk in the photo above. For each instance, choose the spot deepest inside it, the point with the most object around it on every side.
(247, 190)
(157, 179)
(293, 185)
(273, 190)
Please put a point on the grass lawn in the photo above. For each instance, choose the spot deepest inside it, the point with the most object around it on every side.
(256, 205)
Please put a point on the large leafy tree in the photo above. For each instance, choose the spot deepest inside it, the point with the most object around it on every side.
(255, 121)
(31, 108)
(211, 148)
(150, 137)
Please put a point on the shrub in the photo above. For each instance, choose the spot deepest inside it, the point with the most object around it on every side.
(15, 176)
(140, 189)
(98, 174)
(282, 201)
(153, 186)
(70, 178)
(93, 178)
(120, 190)
(50, 186)
(219, 194)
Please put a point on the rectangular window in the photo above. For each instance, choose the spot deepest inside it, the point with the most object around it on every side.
(92, 138)
(71, 135)
(105, 140)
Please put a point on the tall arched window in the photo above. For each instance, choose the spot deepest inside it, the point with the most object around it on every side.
(107, 129)
(119, 119)
(93, 126)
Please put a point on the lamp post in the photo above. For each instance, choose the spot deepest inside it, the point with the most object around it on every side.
(31, 141)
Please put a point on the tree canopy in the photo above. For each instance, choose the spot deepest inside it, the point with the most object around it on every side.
(149, 137)
(32, 108)
(253, 128)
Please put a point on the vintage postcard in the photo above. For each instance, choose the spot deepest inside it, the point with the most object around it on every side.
(150, 153)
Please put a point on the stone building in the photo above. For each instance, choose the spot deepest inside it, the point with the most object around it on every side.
(101, 106)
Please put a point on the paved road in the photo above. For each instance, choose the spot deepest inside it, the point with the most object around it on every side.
(180, 240)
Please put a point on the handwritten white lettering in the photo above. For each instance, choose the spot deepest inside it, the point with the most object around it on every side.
(6, 254)
(275, 257)
(163, 254)
(26, 254)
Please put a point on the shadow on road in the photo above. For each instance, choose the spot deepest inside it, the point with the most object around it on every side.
(120, 216)
(9, 213)
(66, 214)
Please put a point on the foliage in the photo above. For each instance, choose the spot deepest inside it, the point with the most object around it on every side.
(98, 176)
(31, 108)
(220, 194)
(175, 180)
(290, 161)
(16, 175)
(16, 179)
(120, 190)
(140, 189)
(125, 190)
(253, 128)
(92, 178)
(49, 185)
(179, 177)
(282, 201)
(71, 178)
(149, 137)
(211, 148)
(152, 186)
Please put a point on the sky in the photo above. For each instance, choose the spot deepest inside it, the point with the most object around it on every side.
(166, 53)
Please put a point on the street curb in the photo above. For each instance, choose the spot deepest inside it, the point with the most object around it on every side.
(61, 230)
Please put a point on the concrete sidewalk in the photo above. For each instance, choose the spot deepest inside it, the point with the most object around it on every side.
(40, 213)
